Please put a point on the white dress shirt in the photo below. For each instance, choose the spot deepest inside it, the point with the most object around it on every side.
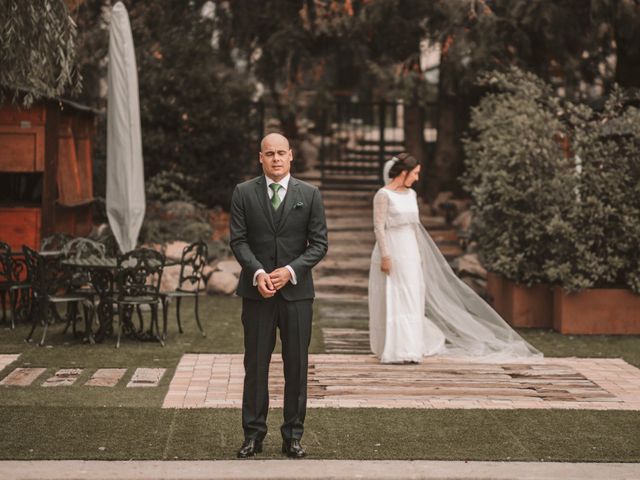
(281, 193)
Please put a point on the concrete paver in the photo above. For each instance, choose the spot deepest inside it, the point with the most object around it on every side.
(313, 469)
(63, 378)
(146, 377)
(106, 377)
(7, 358)
(22, 377)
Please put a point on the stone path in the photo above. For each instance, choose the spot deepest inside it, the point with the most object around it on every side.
(344, 272)
(346, 340)
(64, 377)
(215, 381)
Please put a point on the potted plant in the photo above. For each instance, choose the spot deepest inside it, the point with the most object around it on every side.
(556, 187)
(520, 180)
(597, 247)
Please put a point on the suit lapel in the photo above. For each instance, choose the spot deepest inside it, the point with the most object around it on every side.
(290, 200)
(263, 200)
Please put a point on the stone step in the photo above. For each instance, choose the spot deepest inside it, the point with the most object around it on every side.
(342, 296)
(343, 285)
(441, 236)
(339, 244)
(347, 202)
(450, 251)
(341, 271)
(357, 310)
(339, 193)
(350, 212)
(349, 250)
(367, 239)
(363, 184)
(432, 224)
(343, 249)
(341, 225)
(346, 236)
(364, 237)
(346, 340)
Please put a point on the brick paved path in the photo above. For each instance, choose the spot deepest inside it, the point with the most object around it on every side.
(215, 381)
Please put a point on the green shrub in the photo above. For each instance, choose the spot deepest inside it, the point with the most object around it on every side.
(556, 185)
(168, 186)
(517, 175)
(602, 245)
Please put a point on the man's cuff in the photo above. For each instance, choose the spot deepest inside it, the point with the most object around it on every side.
(293, 280)
(255, 276)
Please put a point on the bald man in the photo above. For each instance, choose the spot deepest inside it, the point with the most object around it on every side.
(278, 234)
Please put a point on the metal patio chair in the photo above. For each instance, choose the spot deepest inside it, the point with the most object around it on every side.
(51, 287)
(138, 283)
(192, 263)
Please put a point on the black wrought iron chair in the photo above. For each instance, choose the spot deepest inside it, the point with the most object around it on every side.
(5, 277)
(51, 287)
(79, 249)
(138, 283)
(18, 283)
(192, 263)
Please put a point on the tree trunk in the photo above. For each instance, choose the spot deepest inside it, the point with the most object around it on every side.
(453, 116)
(627, 63)
(447, 164)
(414, 135)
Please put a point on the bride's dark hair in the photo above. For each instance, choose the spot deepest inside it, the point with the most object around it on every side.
(406, 162)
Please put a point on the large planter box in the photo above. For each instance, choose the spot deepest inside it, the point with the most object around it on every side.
(597, 311)
(521, 306)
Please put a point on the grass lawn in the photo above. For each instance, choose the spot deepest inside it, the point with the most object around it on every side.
(79, 422)
(154, 433)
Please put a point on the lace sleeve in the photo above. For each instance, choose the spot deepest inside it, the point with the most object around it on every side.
(380, 208)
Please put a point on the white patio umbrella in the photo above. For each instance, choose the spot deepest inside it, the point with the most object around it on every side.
(125, 174)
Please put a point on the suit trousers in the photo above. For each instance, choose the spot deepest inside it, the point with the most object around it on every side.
(260, 318)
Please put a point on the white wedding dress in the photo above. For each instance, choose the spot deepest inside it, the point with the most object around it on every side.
(422, 307)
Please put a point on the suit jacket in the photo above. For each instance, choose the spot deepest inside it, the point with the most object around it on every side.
(299, 239)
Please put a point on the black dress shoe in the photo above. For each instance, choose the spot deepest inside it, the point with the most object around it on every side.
(293, 449)
(249, 448)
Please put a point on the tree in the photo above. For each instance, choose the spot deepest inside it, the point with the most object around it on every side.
(565, 42)
(568, 43)
(194, 109)
(287, 45)
(38, 52)
(621, 19)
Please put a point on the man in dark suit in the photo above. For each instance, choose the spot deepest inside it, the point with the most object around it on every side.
(278, 234)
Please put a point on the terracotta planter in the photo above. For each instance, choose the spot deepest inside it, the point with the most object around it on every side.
(521, 306)
(495, 285)
(597, 311)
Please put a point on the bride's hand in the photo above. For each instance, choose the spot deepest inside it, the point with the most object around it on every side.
(385, 266)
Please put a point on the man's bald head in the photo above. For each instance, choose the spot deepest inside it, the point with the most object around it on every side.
(275, 156)
(273, 138)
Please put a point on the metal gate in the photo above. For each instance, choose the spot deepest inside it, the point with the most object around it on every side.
(356, 138)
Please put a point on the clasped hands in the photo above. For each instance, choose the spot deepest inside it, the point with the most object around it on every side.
(269, 283)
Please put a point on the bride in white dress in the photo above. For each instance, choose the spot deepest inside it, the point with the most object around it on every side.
(417, 305)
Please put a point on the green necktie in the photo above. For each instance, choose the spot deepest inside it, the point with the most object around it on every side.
(275, 199)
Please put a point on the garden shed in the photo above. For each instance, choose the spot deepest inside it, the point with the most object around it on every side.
(46, 180)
